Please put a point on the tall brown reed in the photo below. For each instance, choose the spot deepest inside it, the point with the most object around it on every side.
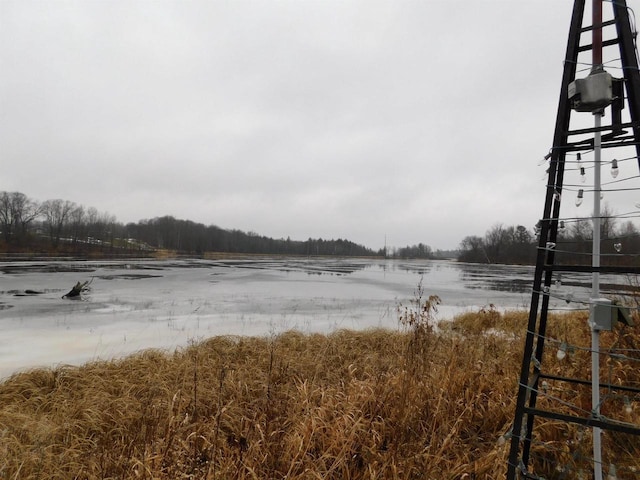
(347, 405)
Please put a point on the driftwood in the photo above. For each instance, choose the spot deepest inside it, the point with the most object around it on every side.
(77, 289)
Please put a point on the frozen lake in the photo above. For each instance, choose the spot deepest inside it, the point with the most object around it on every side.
(138, 304)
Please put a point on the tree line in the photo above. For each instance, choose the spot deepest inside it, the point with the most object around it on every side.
(64, 226)
(415, 251)
(196, 238)
(519, 245)
(26, 223)
(500, 244)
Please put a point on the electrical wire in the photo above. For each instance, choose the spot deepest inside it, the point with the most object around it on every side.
(554, 455)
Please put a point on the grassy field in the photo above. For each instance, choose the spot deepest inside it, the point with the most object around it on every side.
(420, 402)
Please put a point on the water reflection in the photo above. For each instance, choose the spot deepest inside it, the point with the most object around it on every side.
(502, 278)
(327, 266)
(420, 267)
(309, 265)
(165, 303)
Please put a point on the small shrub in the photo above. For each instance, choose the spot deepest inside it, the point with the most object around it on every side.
(418, 319)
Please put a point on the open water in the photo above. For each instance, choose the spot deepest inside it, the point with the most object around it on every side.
(134, 305)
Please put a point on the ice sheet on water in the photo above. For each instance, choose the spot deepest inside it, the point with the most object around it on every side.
(142, 304)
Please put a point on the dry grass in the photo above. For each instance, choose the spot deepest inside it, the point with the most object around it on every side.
(349, 405)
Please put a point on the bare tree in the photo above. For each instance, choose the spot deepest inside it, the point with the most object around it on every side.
(496, 241)
(6, 216)
(581, 230)
(99, 225)
(57, 213)
(77, 222)
(17, 211)
(607, 222)
(628, 229)
(523, 236)
(472, 249)
(29, 211)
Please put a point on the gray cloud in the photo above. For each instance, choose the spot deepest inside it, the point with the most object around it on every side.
(422, 121)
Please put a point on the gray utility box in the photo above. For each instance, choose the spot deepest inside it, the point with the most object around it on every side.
(605, 314)
(592, 93)
(601, 314)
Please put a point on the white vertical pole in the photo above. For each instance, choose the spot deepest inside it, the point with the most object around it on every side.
(595, 333)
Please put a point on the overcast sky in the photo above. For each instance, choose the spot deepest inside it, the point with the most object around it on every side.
(422, 121)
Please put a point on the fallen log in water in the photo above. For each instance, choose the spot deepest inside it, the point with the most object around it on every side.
(77, 289)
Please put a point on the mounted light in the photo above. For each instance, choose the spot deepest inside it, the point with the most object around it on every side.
(614, 168)
(562, 351)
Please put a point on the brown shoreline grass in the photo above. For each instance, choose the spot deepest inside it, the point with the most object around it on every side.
(375, 404)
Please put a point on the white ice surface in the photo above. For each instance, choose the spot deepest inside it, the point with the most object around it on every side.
(167, 304)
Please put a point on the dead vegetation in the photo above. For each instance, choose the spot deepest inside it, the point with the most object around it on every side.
(421, 403)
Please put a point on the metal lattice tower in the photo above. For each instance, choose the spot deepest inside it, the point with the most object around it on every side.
(551, 264)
